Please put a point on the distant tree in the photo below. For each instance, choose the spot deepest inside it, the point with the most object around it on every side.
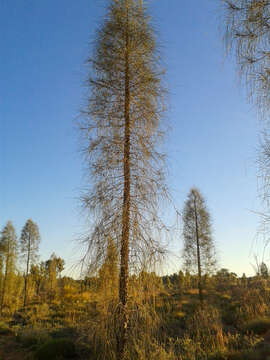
(38, 274)
(199, 250)
(108, 273)
(8, 254)
(29, 241)
(187, 280)
(89, 283)
(244, 280)
(1, 273)
(174, 279)
(223, 273)
(122, 133)
(167, 282)
(264, 272)
(54, 266)
(181, 281)
(206, 280)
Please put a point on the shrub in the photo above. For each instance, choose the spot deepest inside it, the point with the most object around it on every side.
(242, 341)
(153, 351)
(205, 327)
(56, 349)
(32, 337)
(220, 355)
(187, 349)
(258, 326)
(64, 333)
(5, 330)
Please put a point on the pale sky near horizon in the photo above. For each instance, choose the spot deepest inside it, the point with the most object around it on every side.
(212, 143)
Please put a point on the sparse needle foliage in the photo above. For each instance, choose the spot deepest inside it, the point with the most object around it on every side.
(29, 241)
(122, 135)
(199, 251)
(8, 254)
(247, 35)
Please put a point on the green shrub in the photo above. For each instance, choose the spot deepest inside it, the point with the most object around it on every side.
(32, 337)
(249, 355)
(66, 332)
(258, 326)
(5, 330)
(240, 342)
(218, 356)
(56, 349)
(205, 328)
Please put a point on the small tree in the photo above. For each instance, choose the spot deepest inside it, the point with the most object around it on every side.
(54, 267)
(199, 251)
(29, 241)
(8, 253)
(181, 281)
(38, 275)
(108, 273)
(244, 280)
(264, 272)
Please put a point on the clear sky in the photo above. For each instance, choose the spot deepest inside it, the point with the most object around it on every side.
(213, 138)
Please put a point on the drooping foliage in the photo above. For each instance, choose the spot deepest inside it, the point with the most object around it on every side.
(29, 242)
(199, 251)
(122, 133)
(125, 72)
(247, 35)
(8, 255)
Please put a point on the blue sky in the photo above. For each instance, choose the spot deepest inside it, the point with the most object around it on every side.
(214, 131)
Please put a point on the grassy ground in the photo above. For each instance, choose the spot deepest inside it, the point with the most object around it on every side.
(233, 325)
(10, 349)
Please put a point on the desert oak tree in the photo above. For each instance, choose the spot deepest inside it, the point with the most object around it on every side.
(122, 132)
(199, 250)
(29, 243)
(8, 254)
(247, 36)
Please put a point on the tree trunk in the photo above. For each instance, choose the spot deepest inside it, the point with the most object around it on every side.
(198, 254)
(26, 276)
(123, 280)
(5, 283)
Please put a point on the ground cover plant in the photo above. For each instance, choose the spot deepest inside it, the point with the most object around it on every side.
(167, 320)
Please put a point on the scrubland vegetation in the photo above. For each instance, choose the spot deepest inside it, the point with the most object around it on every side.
(77, 319)
(119, 308)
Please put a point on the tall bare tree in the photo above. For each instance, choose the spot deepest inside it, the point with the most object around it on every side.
(122, 133)
(8, 254)
(199, 250)
(247, 36)
(29, 241)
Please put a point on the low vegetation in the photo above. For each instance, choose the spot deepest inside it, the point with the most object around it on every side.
(167, 319)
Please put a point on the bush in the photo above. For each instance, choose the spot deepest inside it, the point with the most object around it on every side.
(64, 333)
(220, 355)
(32, 337)
(249, 355)
(258, 326)
(241, 355)
(240, 342)
(5, 330)
(56, 349)
(204, 327)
